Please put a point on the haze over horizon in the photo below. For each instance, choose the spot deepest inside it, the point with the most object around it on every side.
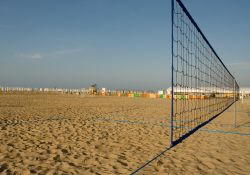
(115, 44)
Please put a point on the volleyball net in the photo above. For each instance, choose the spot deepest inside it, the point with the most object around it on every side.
(202, 86)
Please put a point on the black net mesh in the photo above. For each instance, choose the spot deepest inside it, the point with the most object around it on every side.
(202, 85)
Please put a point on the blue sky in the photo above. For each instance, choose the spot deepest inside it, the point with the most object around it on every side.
(114, 43)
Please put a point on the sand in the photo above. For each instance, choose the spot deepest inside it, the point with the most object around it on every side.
(70, 134)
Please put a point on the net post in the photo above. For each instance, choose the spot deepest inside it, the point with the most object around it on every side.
(172, 76)
(235, 125)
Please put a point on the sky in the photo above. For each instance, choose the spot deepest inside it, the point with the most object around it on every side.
(123, 44)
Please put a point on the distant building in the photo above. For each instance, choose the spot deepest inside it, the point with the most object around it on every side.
(103, 90)
(244, 92)
(92, 89)
(160, 92)
(202, 90)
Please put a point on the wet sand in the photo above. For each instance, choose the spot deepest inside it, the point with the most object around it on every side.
(70, 134)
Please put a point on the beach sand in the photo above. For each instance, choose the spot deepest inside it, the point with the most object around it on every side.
(73, 134)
